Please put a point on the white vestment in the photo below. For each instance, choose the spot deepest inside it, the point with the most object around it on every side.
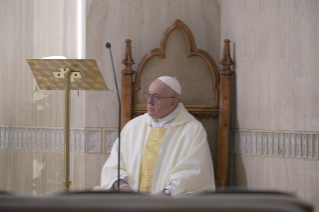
(184, 159)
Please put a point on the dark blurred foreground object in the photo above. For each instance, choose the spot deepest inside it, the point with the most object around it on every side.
(222, 201)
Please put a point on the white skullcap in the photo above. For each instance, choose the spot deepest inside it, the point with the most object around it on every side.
(172, 83)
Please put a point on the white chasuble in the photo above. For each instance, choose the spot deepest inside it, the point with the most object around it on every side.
(184, 157)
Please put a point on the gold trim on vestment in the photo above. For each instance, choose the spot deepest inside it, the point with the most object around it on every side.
(149, 159)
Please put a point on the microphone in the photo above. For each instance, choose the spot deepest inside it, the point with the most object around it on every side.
(108, 45)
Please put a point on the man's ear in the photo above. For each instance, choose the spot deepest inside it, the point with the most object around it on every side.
(174, 102)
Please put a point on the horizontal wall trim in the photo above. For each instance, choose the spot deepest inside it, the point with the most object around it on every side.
(302, 145)
(83, 140)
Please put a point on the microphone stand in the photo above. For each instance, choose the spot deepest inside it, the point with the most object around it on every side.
(108, 45)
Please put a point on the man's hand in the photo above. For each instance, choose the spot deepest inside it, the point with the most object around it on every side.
(126, 189)
(160, 194)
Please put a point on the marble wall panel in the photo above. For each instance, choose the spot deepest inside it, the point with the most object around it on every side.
(248, 143)
(275, 144)
(62, 139)
(293, 146)
(77, 140)
(109, 137)
(281, 148)
(2, 167)
(19, 137)
(39, 172)
(287, 142)
(270, 145)
(43, 139)
(7, 169)
(316, 144)
(53, 137)
(35, 29)
(298, 177)
(77, 171)
(242, 142)
(264, 149)
(259, 143)
(48, 138)
(2, 135)
(310, 145)
(24, 138)
(38, 138)
(274, 44)
(93, 165)
(277, 59)
(93, 140)
(304, 145)
(72, 140)
(58, 139)
(15, 137)
(83, 143)
(29, 138)
(34, 138)
(298, 145)
(254, 143)
(6, 137)
(11, 137)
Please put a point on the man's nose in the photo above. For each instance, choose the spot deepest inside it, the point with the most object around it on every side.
(150, 100)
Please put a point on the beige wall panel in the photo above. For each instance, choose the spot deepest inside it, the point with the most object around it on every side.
(16, 45)
(144, 22)
(93, 167)
(42, 172)
(77, 171)
(6, 167)
(35, 29)
(22, 172)
(298, 176)
(274, 46)
(36, 172)
(3, 164)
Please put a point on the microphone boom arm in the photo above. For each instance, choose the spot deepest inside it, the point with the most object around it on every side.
(108, 45)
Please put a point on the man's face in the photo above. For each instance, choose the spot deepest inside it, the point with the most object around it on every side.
(163, 107)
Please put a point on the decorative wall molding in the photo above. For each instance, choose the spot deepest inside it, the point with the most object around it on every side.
(93, 138)
(109, 137)
(87, 140)
(302, 145)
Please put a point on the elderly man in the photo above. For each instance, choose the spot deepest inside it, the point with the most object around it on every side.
(164, 151)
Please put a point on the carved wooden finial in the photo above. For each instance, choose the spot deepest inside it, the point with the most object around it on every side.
(128, 60)
(226, 60)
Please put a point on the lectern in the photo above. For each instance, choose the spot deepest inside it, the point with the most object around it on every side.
(67, 75)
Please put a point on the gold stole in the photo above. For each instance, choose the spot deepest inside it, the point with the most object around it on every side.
(149, 159)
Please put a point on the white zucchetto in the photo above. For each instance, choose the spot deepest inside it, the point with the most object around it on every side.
(172, 83)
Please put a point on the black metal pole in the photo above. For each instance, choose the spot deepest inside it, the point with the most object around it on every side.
(108, 45)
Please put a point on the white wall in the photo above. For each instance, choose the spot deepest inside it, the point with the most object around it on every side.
(275, 46)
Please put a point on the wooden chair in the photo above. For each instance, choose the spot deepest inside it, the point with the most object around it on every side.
(206, 93)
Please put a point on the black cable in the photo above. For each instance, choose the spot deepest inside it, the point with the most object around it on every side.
(108, 45)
